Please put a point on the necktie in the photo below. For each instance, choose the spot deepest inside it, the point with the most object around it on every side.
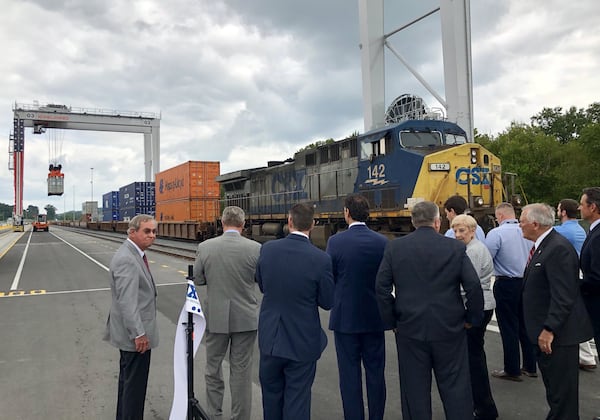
(146, 262)
(531, 251)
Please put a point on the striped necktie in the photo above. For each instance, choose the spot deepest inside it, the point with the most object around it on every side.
(531, 251)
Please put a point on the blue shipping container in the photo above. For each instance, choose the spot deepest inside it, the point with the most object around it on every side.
(127, 213)
(110, 200)
(108, 215)
(137, 194)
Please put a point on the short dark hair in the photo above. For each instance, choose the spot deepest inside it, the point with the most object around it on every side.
(570, 206)
(456, 203)
(593, 196)
(358, 207)
(424, 213)
(302, 215)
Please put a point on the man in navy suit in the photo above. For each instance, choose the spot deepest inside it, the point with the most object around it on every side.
(296, 279)
(427, 271)
(355, 319)
(589, 206)
(553, 310)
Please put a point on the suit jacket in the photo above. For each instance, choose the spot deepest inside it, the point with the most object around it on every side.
(427, 270)
(355, 255)
(227, 265)
(296, 279)
(551, 294)
(590, 262)
(133, 309)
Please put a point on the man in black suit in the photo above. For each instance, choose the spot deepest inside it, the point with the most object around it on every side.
(427, 271)
(553, 310)
(589, 206)
(296, 279)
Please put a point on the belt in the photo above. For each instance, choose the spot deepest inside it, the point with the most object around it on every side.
(508, 278)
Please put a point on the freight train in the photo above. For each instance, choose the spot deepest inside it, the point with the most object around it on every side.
(394, 166)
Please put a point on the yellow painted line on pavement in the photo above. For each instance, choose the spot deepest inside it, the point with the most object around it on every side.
(39, 292)
(10, 246)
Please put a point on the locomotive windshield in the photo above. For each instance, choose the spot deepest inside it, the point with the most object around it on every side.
(423, 139)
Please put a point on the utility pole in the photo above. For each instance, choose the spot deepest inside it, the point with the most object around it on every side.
(91, 201)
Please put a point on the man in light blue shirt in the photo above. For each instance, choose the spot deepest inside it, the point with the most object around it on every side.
(454, 206)
(570, 227)
(510, 252)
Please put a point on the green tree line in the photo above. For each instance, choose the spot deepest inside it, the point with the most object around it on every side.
(555, 156)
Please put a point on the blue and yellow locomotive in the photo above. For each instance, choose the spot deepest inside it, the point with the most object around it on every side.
(394, 167)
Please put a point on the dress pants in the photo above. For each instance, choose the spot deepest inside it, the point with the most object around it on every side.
(241, 348)
(133, 381)
(286, 387)
(449, 361)
(509, 314)
(560, 372)
(352, 349)
(483, 402)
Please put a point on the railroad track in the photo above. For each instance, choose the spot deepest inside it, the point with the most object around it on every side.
(184, 250)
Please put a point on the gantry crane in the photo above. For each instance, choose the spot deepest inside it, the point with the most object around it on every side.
(49, 116)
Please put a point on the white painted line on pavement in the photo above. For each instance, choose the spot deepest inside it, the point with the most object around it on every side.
(82, 253)
(15, 282)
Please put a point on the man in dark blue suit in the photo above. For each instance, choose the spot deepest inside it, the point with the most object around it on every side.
(589, 206)
(427, 271)
(553, 310)
(296, 279)
(355, 319)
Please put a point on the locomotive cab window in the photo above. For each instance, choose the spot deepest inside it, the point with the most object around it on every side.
(453, 139)
(378, 147)
(422, 139)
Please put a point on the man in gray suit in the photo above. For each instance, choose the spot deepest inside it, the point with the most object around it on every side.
(131, 325)
(226, 265)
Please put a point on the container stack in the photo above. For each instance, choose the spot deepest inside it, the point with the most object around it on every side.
(110, 206)
(188, 192)
(136, 198)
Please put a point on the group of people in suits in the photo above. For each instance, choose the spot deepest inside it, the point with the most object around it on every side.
(434, 292)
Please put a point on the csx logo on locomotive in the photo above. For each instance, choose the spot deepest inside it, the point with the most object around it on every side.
(478, 176)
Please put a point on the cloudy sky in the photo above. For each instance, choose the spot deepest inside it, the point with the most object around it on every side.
(246, 81)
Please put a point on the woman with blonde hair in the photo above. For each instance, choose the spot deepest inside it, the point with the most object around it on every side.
(484, 407)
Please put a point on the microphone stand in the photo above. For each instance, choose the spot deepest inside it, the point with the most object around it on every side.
(195, 411)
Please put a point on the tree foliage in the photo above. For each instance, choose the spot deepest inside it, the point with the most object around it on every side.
(556, 156)
(50, 212)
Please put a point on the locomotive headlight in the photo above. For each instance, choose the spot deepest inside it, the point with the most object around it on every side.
(516, 200)
(473, 156)
(478, 201)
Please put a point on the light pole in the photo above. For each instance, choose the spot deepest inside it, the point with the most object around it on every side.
(73, 214)
(92, 183)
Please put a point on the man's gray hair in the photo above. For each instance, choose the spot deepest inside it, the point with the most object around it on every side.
(541, 213)
(233, 216)
(424, 213)
(136, 222)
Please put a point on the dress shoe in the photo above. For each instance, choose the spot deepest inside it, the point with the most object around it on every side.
(589, 368)
(500, 374)
(530, 374)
